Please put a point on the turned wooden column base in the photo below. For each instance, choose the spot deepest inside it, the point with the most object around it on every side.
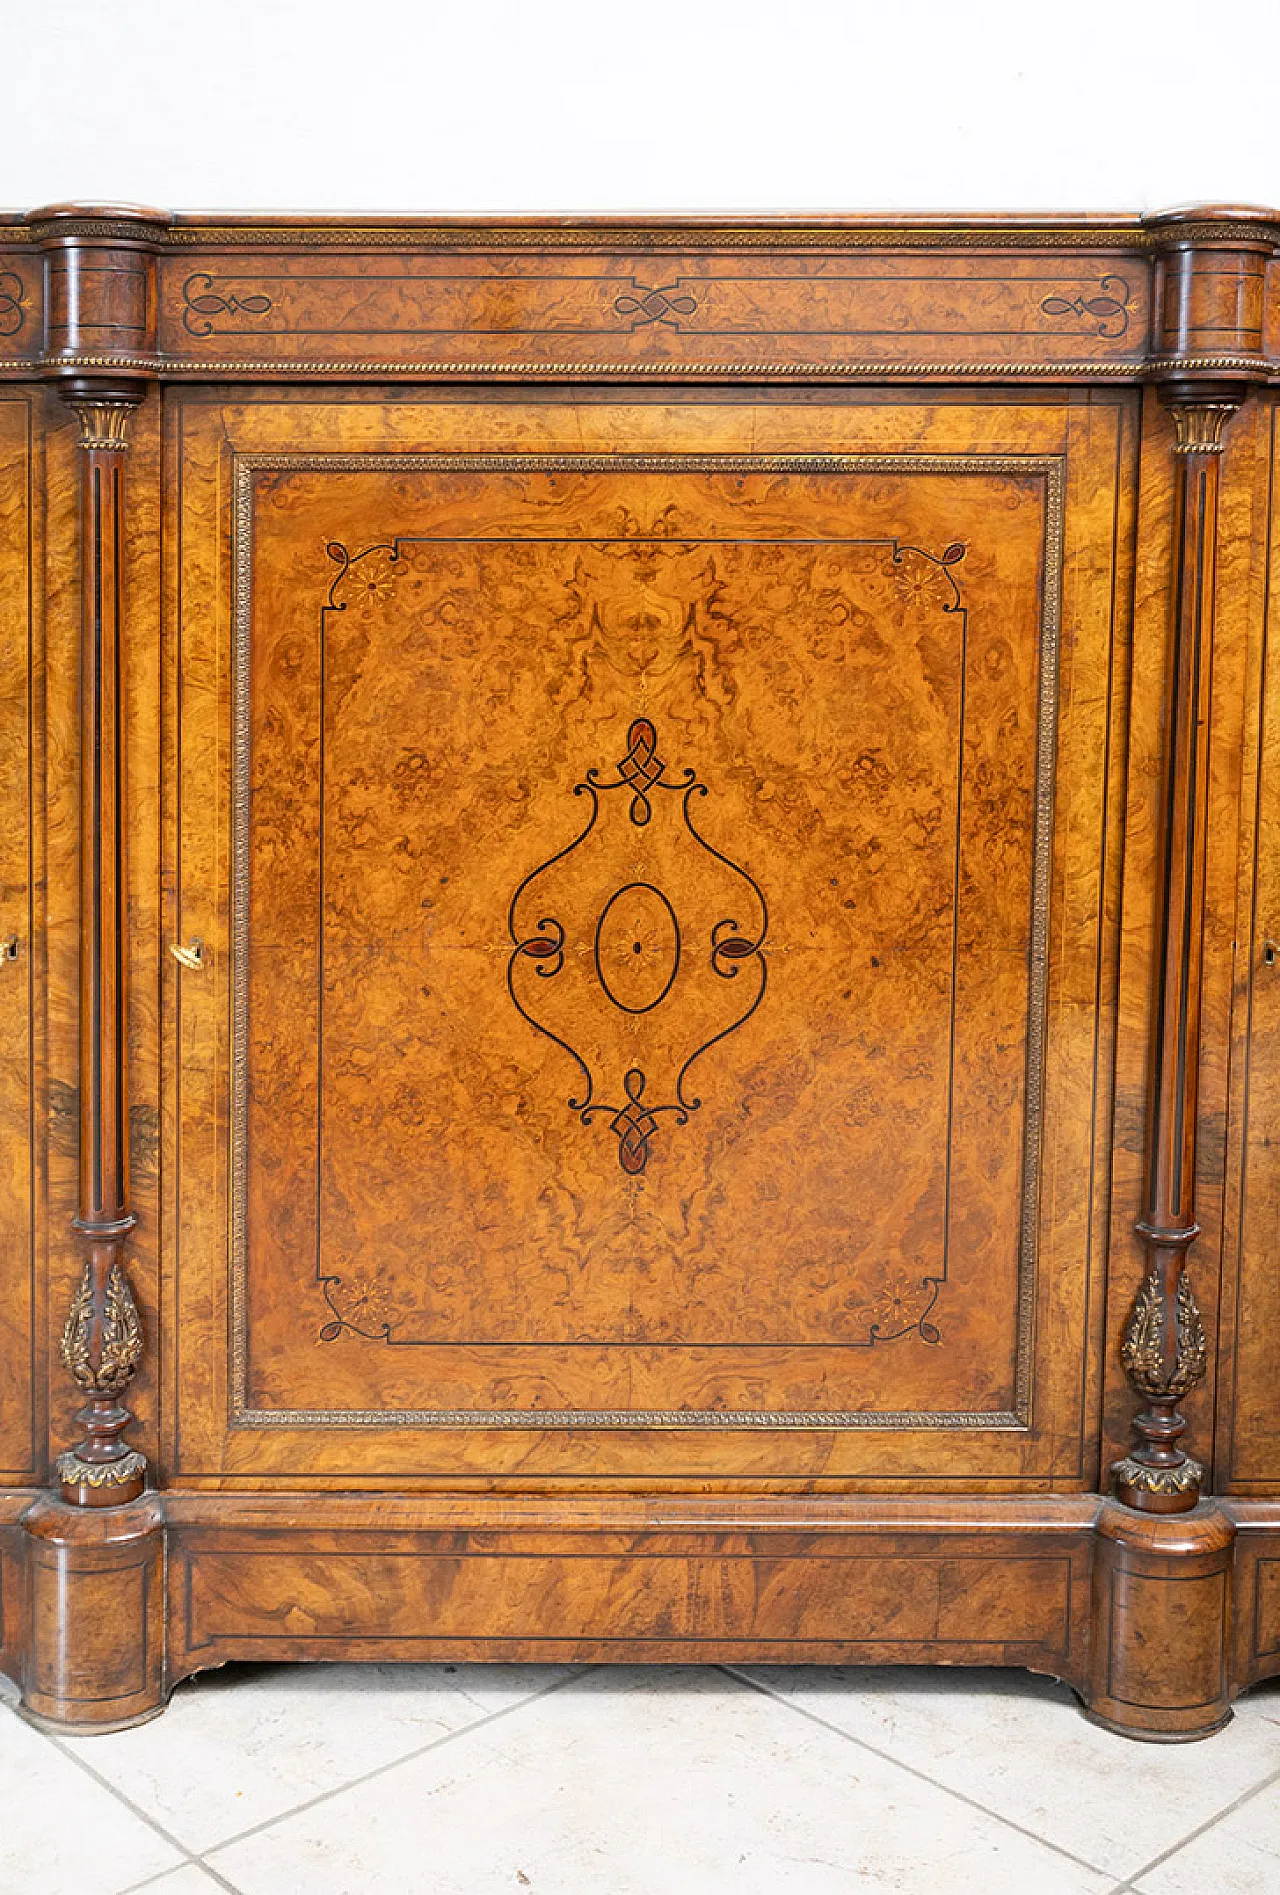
(95, 1590)
(1161, 1618)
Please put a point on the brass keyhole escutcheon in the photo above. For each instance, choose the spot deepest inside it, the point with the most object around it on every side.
(192, 955)
(1270, 952)
(9, 949)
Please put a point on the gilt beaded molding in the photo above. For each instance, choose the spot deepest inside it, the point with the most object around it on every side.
(1051, 468)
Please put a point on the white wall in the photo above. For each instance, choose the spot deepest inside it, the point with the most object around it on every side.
(639, 104)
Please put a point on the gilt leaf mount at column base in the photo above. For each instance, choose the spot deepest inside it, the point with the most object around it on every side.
(1143, 1349)
(119, 1341)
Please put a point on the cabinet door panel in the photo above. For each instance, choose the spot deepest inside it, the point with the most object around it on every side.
(17, 962)
(1249, 1420)
(624, 838)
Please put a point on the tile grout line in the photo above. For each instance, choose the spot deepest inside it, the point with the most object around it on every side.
(340, 1789)
(1124, 1887)
(194, 1862)
(149, 1881)
(1192, 1835)
(886, 1756)
(67, 1747)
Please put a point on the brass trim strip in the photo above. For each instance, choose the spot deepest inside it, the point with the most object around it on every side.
(636, 1420)
(1136, 237)
(690, 237)
(351, 369)
(612, 236)
(1053, 470)
(1259, 368)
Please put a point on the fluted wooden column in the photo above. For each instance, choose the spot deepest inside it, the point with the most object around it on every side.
(1209, 308)
(102, 1341)
(100, 332)
(1163, 1348)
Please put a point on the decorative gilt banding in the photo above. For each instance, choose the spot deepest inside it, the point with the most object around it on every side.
(994, 236)
(646, 1420)
(612, 237)
(676, 237)
(1051, 470)
(1132, 369)
(128, 1471)
(1208, 364)
(587, 368)
(104, 425)
(1172, 1482)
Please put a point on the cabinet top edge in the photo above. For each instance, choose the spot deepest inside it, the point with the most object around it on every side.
(184, 229)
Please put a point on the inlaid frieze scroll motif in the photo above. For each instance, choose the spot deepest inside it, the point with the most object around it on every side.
(12, 303)
(595, 977)
(1105, 310)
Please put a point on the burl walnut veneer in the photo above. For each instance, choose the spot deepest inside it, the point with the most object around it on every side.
(639, 988)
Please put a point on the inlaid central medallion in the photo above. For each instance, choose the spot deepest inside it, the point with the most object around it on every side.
(637, 946)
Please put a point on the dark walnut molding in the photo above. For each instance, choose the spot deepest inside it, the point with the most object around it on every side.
(757, 792)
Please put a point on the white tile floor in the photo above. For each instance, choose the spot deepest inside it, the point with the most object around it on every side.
(487, 1780)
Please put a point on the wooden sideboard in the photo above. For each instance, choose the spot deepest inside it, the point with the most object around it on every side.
(638, 1007)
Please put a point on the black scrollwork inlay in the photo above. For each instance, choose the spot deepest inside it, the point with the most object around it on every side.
(641, 770)
(651, 917)
(637, 954)
(634, 1125)
(360, 1307)
(656, 305)
(1109, 309)
(12, 303)
(201, 303)
(372, 573)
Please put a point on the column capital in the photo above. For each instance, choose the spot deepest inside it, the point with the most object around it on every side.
(1199, 417)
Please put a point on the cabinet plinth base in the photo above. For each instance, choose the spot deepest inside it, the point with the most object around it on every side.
(63, 1727)
(95, 1615)
(1149, 1618)
(1156, 1736)
(1161, 1618)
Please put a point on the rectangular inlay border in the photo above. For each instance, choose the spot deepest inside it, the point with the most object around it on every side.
(1051, 468)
